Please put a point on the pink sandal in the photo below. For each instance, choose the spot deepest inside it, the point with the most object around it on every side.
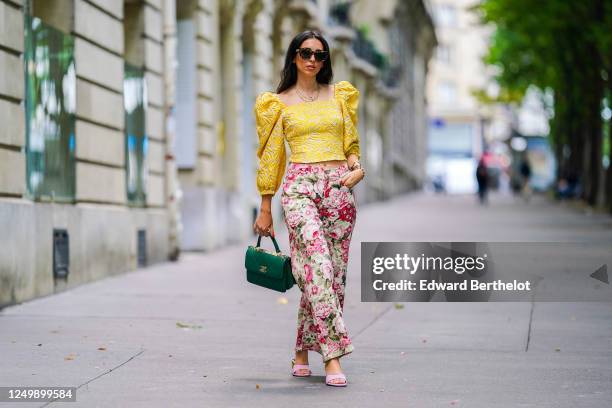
(296, 368)
(330, 377)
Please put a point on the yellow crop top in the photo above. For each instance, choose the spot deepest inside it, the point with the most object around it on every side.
(316, 131)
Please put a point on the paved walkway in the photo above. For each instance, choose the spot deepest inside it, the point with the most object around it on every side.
(194, 333)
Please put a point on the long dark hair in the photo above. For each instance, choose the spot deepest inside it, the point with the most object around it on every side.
(289, 72)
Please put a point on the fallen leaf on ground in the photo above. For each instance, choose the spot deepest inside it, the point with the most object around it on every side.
(69, 357)
(102, 348)
(257, 386)
(399, 305)
(187, 326)
(282, 300)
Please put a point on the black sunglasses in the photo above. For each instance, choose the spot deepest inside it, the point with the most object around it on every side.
(306, 53)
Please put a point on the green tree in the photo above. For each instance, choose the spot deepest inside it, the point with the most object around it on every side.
(565, 47)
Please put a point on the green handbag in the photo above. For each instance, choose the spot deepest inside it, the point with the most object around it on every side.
(268, 269)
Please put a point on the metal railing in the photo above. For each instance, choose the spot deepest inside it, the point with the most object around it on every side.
(339, 13)
(363, 47)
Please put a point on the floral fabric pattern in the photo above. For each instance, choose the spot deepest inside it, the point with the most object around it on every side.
(320, 215)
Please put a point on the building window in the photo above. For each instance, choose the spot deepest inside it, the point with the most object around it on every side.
(447, 93)
(446, 15)
(50, 112)
(451, 139)
(185, 113)
(444, 54)
(136, 143)
(135, 103)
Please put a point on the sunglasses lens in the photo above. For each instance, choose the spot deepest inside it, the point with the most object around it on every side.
(306, 53)
(321, 55)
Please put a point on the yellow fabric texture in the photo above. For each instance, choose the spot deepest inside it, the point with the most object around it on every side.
(315, 131)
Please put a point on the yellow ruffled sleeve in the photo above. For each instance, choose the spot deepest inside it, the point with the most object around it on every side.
(348, 96)
(271, 151)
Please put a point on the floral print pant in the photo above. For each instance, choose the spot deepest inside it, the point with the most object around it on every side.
(320, 215)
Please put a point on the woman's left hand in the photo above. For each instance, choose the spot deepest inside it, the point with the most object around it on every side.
(351, 178)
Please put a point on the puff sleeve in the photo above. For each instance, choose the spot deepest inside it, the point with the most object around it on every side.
(348, 96)
(271, 151)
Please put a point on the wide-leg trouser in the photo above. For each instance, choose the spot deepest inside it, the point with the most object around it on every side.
(320, 215)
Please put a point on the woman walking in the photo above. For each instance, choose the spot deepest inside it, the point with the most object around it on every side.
(319, 121)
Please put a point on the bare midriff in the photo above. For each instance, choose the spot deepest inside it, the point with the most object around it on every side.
(327, 164)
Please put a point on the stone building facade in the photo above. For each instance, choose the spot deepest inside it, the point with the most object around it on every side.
(128, 129)
(77, 202)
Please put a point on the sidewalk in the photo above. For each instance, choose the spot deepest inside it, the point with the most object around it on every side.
(195, 333)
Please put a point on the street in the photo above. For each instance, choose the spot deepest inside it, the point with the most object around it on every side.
(195, 333)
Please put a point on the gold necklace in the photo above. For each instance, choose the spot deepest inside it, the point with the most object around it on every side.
(305, 97)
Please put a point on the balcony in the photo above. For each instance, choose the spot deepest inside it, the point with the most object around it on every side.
(363, 47)
(339, 13)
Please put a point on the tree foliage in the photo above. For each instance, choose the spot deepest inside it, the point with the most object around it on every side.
(565, 47)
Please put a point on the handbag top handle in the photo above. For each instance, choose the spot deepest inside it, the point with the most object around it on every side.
(273, 241)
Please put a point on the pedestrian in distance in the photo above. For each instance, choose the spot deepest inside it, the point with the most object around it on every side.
(525, 170)
(482, 179)
(318, 119)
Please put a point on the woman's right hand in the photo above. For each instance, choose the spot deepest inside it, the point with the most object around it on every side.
(264, 224)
